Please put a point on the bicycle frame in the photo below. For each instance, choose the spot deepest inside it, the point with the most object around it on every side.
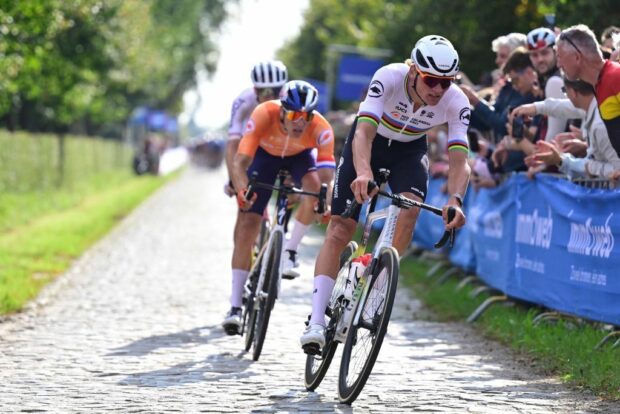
(385, 239)
(277, 227)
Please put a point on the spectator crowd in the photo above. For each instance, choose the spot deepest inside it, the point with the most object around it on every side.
(552, 104)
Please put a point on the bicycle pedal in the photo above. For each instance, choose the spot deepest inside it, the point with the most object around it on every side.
(312, 349)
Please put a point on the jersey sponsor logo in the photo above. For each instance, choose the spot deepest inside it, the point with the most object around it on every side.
(401, 109)
(418, 122)
(325, 138)
(376, 89)
(465, 116)
(395, 114)
(404, 105)
(428, 114)
(249, 127)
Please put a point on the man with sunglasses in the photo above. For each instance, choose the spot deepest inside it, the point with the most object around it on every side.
(404, 101)
(268, 77)
(281, 134)
(580, 57)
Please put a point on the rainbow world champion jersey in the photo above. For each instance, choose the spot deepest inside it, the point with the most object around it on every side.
(389, 107)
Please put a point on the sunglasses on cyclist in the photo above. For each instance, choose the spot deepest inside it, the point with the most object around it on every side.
(267, 92)
(296, 115)
(432, 81)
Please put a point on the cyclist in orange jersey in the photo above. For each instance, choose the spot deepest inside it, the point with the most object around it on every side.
(281, 134)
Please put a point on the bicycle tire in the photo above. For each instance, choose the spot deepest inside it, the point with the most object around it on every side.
(263, 235)
(349, 387)
(271, 284)
(317, 365)
(249, 313)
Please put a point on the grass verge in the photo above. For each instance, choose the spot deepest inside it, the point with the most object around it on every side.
(563, 348)
(49, 238)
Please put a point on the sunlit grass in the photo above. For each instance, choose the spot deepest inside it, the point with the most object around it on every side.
(563, 349)
(46, 242)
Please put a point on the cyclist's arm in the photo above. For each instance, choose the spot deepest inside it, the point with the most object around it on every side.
(458, 175)
(458, 152)
(231, 149)
(239, 171)
(365, 132)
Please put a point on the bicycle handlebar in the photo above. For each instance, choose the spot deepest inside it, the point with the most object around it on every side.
(287, 189)
(404, 202)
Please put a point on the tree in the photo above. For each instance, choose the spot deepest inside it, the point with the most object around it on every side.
(397, 24)
(89, 62)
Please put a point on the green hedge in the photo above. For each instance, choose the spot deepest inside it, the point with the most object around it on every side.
(39, 162)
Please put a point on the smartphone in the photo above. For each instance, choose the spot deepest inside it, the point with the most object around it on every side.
(517, 128)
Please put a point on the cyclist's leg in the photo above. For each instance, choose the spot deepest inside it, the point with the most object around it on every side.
(247, 226)
(302, 169)
(409, 177)
(339, 232)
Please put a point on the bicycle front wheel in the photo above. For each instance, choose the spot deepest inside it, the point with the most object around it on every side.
(364, 339)
(249, 313)
(317, 365)
(267, 295)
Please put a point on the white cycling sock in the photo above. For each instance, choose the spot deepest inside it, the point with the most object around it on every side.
(298, 232)
(323, 286)
(239, 276)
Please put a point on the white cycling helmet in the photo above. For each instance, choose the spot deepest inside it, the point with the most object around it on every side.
(269, 74)
(540, 38)
(436, 56)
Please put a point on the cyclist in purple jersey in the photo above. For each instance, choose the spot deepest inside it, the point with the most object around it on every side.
(268, 78)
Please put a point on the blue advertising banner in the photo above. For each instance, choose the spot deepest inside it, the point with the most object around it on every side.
(546, 241)
(462, 253)
(429, 227)
(354, 74)
(491, 222)
(566, 255)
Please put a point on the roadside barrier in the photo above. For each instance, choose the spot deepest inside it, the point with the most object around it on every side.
(547, 241)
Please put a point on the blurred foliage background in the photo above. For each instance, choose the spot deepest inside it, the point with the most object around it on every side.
(81, 66)
(396, 25)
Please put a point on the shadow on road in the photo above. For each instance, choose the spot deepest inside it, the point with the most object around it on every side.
(219, 367)
(144, 346)
(303, 401)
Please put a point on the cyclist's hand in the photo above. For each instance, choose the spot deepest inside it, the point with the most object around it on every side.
(229, 190)
(359, 186)
(325, 216)
(459, 219)
(242, 202)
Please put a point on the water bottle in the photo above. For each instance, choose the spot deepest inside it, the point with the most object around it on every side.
(356, 270)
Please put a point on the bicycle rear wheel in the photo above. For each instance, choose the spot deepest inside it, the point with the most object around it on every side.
(317, 365)
(269, 293)
(364, 339)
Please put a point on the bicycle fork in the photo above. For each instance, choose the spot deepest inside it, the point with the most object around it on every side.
(385, 240)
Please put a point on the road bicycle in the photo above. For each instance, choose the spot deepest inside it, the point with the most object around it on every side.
(263, 285)
(360, 321)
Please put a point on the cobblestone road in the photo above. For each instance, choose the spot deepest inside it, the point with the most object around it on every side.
(134, 327)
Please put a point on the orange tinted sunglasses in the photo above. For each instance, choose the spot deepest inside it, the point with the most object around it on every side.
(431, 81)
(295, 115)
